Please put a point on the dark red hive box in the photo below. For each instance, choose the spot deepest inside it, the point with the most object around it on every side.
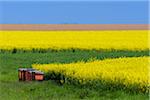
(21, 74)
(29, 76)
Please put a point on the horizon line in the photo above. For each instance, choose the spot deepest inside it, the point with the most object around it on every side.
(64, 27)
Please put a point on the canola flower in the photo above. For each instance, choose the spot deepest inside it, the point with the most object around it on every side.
(122, 73)
(118, 40)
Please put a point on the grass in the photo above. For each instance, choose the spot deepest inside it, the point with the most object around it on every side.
(10, 88)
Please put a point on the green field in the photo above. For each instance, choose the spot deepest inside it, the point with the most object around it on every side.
(12, 89)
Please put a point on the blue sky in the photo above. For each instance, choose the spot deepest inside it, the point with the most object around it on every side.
(73, 0)
(74, 12)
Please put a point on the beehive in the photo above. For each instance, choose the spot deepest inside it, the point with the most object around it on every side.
(21, 73)
(39, 76)
(29, 74)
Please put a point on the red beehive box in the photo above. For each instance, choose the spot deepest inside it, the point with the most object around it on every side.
(29, 76)
(23, 74)
(39, 76)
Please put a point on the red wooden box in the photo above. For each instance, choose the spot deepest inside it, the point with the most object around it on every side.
(22, 73)
(39, 76)
(29, 76)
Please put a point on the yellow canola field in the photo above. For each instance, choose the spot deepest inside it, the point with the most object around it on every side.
(127, 73)
(119, 40)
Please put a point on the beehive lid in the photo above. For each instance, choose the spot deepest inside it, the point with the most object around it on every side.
(25, 69)
(30, 69)
(22, 69)
(38, 72)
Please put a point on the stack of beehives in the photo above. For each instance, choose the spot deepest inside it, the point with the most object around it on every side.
(29, 74)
